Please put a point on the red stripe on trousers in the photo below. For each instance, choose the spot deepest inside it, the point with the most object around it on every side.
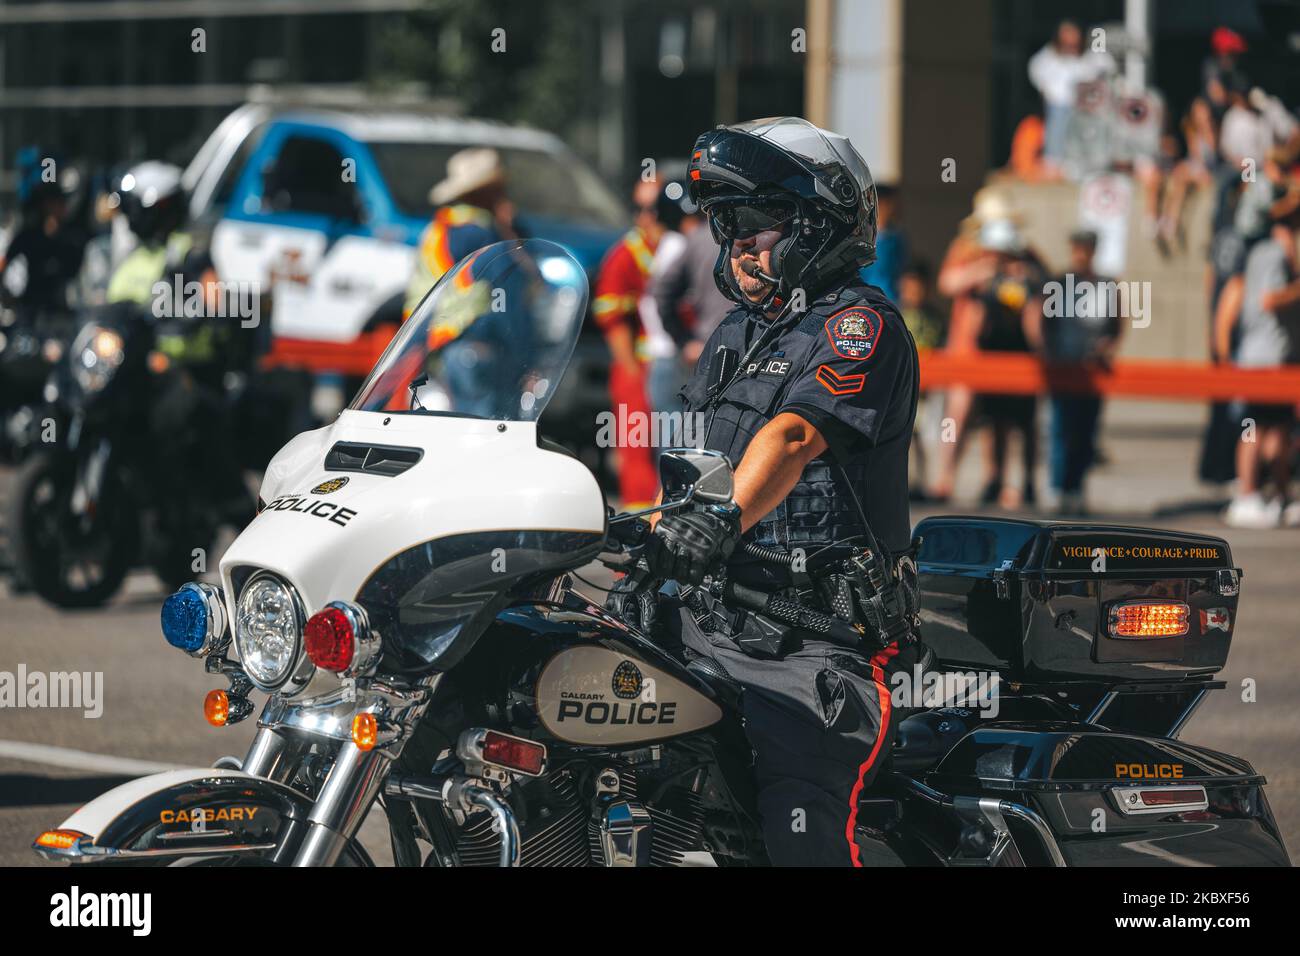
(882, 694)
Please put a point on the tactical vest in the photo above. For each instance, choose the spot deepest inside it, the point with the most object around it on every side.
(819, 510)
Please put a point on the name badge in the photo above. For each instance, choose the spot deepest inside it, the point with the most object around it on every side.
(769, 368)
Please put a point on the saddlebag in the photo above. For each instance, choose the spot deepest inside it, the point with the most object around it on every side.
(1104, 799)
(1047, 602)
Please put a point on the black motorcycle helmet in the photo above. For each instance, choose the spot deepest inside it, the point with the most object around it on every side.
(778, 171)
(151, 198)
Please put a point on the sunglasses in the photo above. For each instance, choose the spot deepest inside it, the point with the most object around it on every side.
(733, 219)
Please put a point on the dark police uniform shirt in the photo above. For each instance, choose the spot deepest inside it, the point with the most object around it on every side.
(847, 365)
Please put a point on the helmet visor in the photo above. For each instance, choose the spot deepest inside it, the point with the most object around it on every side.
(744, 217)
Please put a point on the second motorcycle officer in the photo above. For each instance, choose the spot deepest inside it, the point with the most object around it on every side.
(809, 387)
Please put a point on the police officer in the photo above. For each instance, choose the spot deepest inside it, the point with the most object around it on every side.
(809, 387)
(200, 351)
(154, 203)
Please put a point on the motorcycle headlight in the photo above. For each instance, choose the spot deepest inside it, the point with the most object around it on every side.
(96, 355)
(268, 631)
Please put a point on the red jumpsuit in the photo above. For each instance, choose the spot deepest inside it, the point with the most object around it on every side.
(619, 287)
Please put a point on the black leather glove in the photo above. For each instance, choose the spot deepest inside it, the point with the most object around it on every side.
(686, 547)
(633, 603)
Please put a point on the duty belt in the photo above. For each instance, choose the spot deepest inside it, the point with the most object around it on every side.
(879, 617)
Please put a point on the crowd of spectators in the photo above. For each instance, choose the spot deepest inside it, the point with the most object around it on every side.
(1236, 143)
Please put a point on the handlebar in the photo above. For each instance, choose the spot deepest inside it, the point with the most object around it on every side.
(628, 536)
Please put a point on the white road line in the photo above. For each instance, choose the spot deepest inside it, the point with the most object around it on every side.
(80, 759)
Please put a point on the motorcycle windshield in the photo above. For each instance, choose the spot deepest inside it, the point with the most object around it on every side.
(490, 340)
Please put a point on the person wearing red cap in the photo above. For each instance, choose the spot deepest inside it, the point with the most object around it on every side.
(1220, 74)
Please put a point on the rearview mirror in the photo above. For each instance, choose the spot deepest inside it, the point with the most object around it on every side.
(693, 474)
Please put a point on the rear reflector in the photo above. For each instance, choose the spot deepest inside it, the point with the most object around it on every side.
(1139, 619)
(1177, 799)
(514, 753)
(479, 746)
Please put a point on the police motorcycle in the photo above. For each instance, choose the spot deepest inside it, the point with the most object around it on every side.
(120, 472)
(135, 460)
(404, 600)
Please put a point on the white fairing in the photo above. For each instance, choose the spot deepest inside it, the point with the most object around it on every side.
(475, 476)
(597, 696)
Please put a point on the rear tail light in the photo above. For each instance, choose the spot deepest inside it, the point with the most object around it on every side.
(338, 638)
(1138, 800)
(480, 746)
(1153, 619)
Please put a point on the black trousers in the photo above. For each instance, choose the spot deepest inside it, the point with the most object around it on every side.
(820, 723)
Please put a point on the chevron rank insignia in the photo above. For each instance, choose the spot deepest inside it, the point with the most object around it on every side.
(838, 384)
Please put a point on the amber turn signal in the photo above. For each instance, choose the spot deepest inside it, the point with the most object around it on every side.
(365, 731)
(59, 839)
(216, 708)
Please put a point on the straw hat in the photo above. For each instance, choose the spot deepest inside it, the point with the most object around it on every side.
(990, 205)
(468, 170)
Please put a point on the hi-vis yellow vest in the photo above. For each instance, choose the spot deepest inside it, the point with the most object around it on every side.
(435, 256)
(134, 279)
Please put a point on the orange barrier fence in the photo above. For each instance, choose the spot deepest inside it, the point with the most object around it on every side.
(1015, 373)
(356, 357)
(997, 373)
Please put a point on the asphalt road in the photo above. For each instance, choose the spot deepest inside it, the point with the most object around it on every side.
(152, 695)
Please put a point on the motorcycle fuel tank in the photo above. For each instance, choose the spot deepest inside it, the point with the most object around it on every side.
(601, 696)
(580, 676)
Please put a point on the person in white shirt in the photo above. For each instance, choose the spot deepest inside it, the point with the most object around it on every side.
(1056, 71)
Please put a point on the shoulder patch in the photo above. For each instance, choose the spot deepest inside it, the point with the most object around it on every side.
(853, 332)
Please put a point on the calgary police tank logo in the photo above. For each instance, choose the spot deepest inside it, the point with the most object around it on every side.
(333, 484)
(627, 681)
(853, 332)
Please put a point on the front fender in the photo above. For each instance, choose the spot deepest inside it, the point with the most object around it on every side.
(196, 812)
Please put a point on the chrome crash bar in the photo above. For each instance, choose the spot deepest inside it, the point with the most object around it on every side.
(464, 794)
